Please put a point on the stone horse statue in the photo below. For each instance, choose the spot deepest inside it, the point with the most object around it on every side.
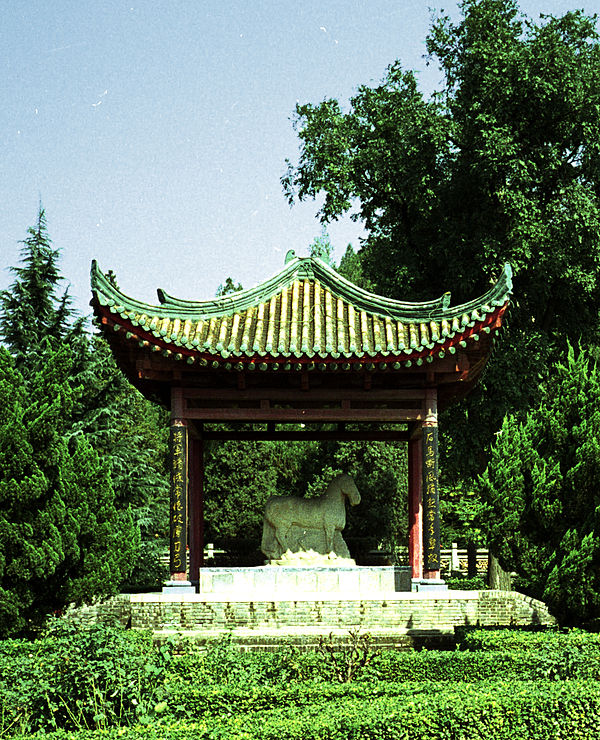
(296, 524)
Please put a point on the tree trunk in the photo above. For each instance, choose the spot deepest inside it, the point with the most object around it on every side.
(497, 578)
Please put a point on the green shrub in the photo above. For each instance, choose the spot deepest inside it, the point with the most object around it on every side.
(523, 639)
(77, 678)
(506, 685)
(462, 583)
(222, 663)
(499, 710)
(149, 572)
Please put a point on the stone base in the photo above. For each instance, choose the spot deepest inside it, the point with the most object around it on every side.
(398, 620)
(178, 587)
(428, 584)
(268, 582)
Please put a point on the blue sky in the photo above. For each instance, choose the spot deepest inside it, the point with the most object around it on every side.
(156, 132)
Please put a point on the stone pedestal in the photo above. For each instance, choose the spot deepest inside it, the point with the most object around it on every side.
(428, 585)
(178, 587)
(265, 582)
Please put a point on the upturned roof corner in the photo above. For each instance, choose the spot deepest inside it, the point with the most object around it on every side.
(306, 313)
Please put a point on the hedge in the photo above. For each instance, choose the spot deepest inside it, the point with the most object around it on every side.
(559, 660)
(502, 711)
(103, 677)
(517, 639)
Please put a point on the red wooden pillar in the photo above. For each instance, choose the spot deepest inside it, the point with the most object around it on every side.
(415, 506)
(431, 505)
(196, 499)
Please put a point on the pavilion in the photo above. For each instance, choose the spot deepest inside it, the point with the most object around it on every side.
(304, 347)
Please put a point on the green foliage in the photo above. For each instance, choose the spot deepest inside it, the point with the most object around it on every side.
(499, 165)
(460, 515)
(351, 268)
(31, 311)
(63, 539)
(74, 678)
(518, 639)
(502, 711)
(509, 683)
(228, 287)
(240, 476)
(84, 454)
(463, 583)
(322, 247)
(131, 434)
(542, 489)
(380, 472)
(350, 660)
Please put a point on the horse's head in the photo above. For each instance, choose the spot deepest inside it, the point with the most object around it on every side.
(349, 489)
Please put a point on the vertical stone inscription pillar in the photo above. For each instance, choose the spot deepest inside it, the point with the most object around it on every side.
(431, 501)
(415, 505)
(178, 518)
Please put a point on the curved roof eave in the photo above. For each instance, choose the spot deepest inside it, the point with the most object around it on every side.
(298, 269)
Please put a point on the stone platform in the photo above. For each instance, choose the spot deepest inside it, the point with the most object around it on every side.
(396, 619)
(289, 582)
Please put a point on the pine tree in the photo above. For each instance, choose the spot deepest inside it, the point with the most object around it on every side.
(32, 310)
(542, 490)
(322, 247)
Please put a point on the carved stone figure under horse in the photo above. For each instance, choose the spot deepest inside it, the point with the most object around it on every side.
(324, 517)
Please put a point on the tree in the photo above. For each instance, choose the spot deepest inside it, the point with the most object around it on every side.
(62, 538)
(31, 310)
(228, 287)
(542, 491)
(351, 268)
(322, 247)
(502, 164)
(128, 432)
(240, 477)
(380, 472)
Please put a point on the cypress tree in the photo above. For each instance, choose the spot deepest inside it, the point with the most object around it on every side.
(62, 538)
(542, 493)
(32, 309)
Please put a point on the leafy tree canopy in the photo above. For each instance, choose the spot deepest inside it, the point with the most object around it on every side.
(501, 164)
(322, 247)
(228, 287)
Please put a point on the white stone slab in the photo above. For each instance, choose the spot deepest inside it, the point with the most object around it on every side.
(276, 581)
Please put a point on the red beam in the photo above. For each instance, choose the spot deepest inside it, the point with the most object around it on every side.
(304, 415)
(288, 436)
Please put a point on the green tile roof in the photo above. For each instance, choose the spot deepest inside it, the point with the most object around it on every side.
(307, 311)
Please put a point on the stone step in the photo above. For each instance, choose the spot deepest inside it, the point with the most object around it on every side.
(310, 638)
(402, 618)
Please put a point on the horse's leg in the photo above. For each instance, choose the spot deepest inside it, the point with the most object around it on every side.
(281, 533)
(329, 532)
(268, 543)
